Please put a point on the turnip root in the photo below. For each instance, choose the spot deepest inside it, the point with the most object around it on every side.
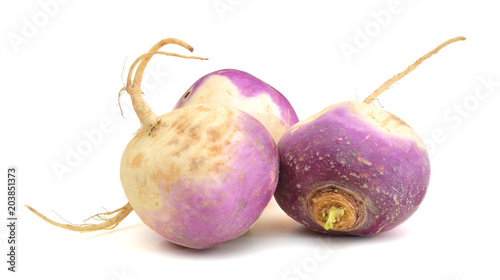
(199, 176)
(353, 168)
(243, 91)
(202, 175)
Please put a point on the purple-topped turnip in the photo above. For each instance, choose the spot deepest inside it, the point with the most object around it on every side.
(241, 90)
(199, 176)
(353, 168)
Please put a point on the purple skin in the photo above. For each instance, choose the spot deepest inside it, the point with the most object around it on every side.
(241, 90)
(203, 176)
(353, 166)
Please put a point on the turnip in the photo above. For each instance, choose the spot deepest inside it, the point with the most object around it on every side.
(246, 92)
(199, 176)
(353, 168)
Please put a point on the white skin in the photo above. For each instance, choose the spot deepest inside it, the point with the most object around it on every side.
(218, 89)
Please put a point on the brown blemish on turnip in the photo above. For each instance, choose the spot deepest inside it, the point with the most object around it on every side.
(137, 161)
(196, 163)
(203, 109)
(195, 132)
(214, 134)
(216, 167)
(187, 93)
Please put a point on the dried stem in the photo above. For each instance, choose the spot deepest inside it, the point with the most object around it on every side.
(147, 117)
(410, 68)
(108, 223)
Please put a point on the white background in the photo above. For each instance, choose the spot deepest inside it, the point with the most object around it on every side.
(61, 69)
